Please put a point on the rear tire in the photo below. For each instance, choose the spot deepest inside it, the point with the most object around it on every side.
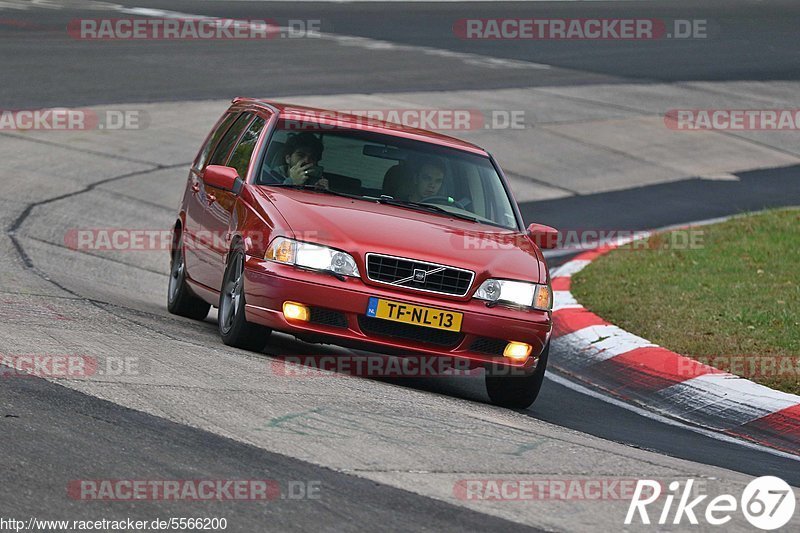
(180, 300)
(234, 329)
(516, 392)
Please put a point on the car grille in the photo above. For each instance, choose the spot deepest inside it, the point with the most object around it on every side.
(388, 328)
(328, 317)
(488, 346)
(401, 273)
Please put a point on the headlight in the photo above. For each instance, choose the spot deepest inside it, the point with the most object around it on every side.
(516, 293)
(314, 256)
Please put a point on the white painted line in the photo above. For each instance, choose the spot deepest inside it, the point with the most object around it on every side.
(663, 419)
(162, 13)
(92, 5)
(467, 58)
(366, 42)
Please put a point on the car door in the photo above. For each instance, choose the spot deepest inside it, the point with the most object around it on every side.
(201, 257)
(219, 202)
(194, 200)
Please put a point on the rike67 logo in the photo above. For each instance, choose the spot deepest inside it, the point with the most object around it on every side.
(767, 502)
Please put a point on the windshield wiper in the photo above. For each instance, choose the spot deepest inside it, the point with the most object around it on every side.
(307, 187)
(424, 206)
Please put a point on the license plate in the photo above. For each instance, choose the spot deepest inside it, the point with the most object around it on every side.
(414, 314)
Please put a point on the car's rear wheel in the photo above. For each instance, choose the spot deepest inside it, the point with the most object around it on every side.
(180, 300)
(234, 329)
(517, 392)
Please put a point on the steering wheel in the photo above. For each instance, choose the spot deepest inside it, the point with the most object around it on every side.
(444, 200)
(312, 180)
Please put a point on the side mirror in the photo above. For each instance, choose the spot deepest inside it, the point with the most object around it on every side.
(225, 178)
(545, 237)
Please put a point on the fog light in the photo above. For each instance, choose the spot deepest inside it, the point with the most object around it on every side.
(518, 351)
(296, 311)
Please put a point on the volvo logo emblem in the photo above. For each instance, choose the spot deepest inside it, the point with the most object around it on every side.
(419, 275)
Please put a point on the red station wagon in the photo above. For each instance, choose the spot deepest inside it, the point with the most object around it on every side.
(362, 233)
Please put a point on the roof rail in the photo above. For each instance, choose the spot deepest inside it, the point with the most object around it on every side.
(246, 99)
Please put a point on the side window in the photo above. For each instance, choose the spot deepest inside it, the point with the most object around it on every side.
(222, 127)
(224, 147)
(497, 201)
(240, 159)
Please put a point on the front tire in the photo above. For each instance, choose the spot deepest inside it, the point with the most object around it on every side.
(516, 392)
(234, 329)
(180, 300)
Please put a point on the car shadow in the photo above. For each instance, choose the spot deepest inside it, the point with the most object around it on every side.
(390, 369)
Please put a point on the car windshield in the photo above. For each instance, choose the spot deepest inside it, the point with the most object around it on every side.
(376, 167)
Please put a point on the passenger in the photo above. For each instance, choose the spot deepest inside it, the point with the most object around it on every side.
(428, 179)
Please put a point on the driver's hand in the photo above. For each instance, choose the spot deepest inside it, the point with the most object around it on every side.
(297, 173)
(322, 183)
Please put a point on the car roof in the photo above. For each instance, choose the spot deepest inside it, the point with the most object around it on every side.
(359, 122)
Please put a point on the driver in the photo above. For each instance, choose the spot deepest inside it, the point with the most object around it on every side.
(427, 179)
(301, 155)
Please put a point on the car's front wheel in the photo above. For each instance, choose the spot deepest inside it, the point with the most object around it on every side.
(234, 329)
(180, 300)
(517, 392)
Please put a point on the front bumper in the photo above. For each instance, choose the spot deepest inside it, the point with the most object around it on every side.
(268, 285)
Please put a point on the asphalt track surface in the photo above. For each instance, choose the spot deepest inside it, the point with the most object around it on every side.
(747, 41)
(155, 447)
(51, 434)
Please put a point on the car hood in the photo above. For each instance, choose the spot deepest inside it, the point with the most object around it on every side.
(359, 227)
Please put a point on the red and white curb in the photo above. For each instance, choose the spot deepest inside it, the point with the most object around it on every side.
(591, 350)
